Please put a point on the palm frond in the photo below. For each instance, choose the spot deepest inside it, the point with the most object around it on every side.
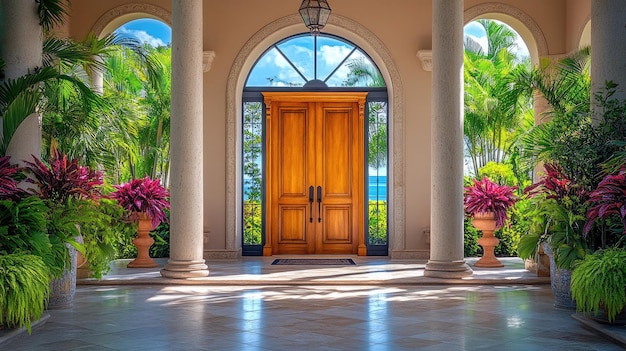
(52, 13)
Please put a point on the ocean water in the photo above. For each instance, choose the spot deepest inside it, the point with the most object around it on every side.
(376, 188)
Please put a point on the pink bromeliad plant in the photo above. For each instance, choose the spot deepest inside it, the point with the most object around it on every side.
(9, 175)
(143, 195)
(64, 179)
(485, 196)
(608, 199)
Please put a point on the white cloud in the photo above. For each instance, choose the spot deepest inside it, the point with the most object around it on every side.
(333, 55)
(142, 36)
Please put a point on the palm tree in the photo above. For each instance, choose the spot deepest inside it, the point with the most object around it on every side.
(494, 104)
(41, 89)
(142, 94)
(363, 73)
(568, 136)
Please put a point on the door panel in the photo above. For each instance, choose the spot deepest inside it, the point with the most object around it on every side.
(292, 157)
(337, 151)
(315, 171)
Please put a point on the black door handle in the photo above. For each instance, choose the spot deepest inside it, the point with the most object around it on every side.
(319, 203)
(311, 190)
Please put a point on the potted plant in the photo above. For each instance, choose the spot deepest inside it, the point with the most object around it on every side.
(599, 285)
(599, 281)
(24, 287)
(487, 204)
(69, 192)
(146, 202)
(557, 219)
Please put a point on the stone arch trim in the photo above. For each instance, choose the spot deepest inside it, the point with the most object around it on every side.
(584, 33)
(151, 10)
(243, 62)
(530, 24)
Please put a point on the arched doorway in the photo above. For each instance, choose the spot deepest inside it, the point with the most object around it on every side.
(305, 104)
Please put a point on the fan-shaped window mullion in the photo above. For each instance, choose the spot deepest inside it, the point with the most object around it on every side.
(291, 63)
(324, 61)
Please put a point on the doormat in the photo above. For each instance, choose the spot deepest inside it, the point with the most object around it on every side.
(314, 261)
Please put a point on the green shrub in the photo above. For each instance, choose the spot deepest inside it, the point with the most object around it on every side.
(124, 247)
(471, 236)
(377, 222)
(161, 236)
(252, 222)
(102, 234)
(24, 287)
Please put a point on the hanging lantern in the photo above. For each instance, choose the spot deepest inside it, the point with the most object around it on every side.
(315, 14)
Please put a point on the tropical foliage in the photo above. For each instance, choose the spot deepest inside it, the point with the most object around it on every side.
(608, 199)
(599, 282)
(497, 108)
(557, 214)
(143, 196)
(486, 196)
(63, 179)
(24, 287)
(9, 176)
(138, 87)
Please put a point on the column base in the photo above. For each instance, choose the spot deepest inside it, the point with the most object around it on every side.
(185, 269)
(447, 269)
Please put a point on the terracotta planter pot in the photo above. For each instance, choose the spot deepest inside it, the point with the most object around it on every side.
(143, 243)
(486, 223)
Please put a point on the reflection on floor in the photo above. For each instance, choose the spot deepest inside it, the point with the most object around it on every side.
(335, 315)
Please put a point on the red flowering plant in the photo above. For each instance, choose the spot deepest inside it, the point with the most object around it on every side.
(486, 196)
(608, 199)
(10, 175)
(559, 204)
(71, 193)
(143, 195)
(64, 179)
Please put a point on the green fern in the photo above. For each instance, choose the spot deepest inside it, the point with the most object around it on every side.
(599, 282)
(24, 287)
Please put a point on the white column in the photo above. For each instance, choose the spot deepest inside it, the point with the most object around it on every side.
(21, 48)
(186, 216)
(608, 48)
(446, 199)
(97, 78)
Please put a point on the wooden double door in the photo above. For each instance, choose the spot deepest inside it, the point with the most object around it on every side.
(314, 173)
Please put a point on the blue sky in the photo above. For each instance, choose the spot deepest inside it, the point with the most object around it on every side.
(477, 32)
(154, 32)
(158, 33)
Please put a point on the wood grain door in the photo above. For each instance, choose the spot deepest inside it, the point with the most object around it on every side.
(315, 173)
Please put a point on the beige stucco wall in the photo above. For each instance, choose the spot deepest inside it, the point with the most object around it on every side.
(403, 26)
(578, 18)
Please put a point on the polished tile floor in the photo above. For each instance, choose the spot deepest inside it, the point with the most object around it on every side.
(506, 314)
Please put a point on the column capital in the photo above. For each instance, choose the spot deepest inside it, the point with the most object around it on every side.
(207, 60)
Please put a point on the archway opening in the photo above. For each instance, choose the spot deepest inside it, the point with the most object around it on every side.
(304, 63)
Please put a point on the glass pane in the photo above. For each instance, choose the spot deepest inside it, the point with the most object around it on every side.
(273, 70)
(252, 177)
(299, 51)
(357, 71)
(330, 54)
(377, 173)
